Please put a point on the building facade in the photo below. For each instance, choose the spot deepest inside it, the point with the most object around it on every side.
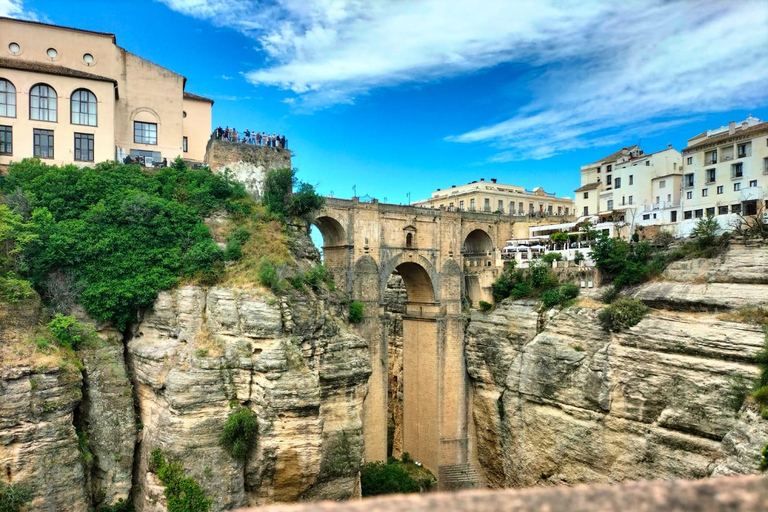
(493, 197)
(725, 173)
(642, 188)
(71, 96)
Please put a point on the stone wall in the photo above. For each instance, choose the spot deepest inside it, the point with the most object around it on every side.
(247, 163)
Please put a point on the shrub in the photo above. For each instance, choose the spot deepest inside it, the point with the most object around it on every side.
(13, 497)
(240, 433)
(234, 250)
(551, 298)
(183, 494)
(579, 257)
(552, 256)
(356, 312)
(764, 458)
(378, 478)
(485, 306)
(67, 331)
(270, 277)
(569, 291)
(622, 314)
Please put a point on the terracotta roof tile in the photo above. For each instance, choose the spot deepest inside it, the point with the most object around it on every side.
(588, 186)
(613, 156)
(190, 96)
(762, 127)
(50, 69)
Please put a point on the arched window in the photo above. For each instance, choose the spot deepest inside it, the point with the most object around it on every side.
(83, 104)
(43, 103)
(7, 99)
(409, 240)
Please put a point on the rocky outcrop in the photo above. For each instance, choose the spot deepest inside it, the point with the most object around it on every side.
(664, 399)
(40, 387)
(200, 353)
(247, 163)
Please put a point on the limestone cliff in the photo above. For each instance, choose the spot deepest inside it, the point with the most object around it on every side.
(200, 352)
(570, 403)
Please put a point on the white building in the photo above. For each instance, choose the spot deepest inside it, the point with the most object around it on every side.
(725, 174)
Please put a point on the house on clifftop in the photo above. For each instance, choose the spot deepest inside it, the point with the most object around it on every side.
(74, 96)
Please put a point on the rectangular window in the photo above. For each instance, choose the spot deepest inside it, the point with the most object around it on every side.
(673, 216)
(737, 170)
(744, 150)
(688, 215)
(610, 204)
(710, 157)
(736, 208)
(647, 217)
(690, 160)
(586, 195)
(586, 210)
(662, 183)
(609, 168)
(84, 147)
(711, 175)
(461, 205)
(559, 210)
(722, 210)
(630, 200)
(711, 212)
(487, 205)
(765, 165)
(737, 186)
(753, 183)
(144, 133)
(608, 180)
(689, 195)
(631, 179)
(6, 140)
(511, 207)
(471, 205)
(720, 189)
(688, 180)
(704, 192)
(698, 214)
(185, 144)
(520, 208)
(617, 183)
(43, 143)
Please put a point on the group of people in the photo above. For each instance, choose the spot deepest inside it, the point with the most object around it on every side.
(250, 137)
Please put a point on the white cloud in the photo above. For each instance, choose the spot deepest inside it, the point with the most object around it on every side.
(15, 9)
(225, 77)
(601, 67)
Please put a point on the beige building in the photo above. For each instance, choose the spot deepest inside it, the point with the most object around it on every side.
(74, 96)
(494, 197)
(642, 188)
(725, 173)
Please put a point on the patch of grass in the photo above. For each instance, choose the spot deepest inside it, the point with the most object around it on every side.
(377, 478)
(749, 315)
(183, 493)
(13, 497)
(356, 312)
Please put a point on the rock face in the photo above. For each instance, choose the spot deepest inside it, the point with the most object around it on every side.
(247, 163)
(38, 396)
(664, 399)
(200, 353)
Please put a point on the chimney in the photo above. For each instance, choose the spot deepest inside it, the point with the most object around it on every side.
(669, 146)
(493, 180)
(731, 128)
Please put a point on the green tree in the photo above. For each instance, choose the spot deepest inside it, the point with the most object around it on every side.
(240, 433)
(378, 478)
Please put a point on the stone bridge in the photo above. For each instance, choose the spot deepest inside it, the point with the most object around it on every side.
(443, 257)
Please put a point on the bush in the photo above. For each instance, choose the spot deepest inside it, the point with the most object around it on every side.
(764, 458)
(13, 497)
(551, 298)
(622, 314)
(270, 277)
(377, 478)
(552, 256)
(240, 433)
(183, 494)
(356, 312)
(485, 306)
(280, 198)
(67, 331)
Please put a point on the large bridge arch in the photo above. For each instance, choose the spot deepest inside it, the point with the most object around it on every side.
(337, 251)
(419, 272)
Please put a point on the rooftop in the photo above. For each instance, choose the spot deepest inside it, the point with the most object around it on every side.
(616, 155)
(588, 186)
(108, 34)
(739, 131)
(190, 96)
(50, 69)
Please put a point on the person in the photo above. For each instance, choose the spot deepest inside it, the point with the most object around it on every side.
(284, 142)
(165, 162)
(258, 139)
(247, 134)
(226, 133)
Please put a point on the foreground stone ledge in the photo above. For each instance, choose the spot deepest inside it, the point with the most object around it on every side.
(732, 494)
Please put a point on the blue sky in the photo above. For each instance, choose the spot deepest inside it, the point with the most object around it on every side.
(397, 97)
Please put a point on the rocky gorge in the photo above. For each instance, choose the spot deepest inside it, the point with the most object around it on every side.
(556, 399)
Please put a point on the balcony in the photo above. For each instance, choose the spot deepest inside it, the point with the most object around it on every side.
(711, 161)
